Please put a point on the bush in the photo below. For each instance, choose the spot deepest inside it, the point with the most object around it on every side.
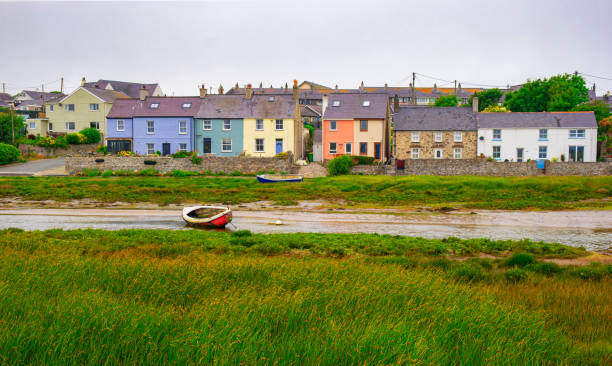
(91, 172)
(470, 272)
(340, 165)
(490, 158)
(8, 153)
(545, 268)
(515, 275)
(107, 173)
(520, 260)
(282, 155)
(363, 160)
(181, 154)
(593, 272)
(72, 138)
(125, 153)
(92, 135)
(196, 160)
(102, 150)
(148, 172)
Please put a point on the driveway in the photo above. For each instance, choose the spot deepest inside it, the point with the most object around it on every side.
(36, 167)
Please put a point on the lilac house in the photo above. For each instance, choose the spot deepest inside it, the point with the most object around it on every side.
(150, 124)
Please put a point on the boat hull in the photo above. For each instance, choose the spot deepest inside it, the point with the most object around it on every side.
(216, 221)
(276, 179)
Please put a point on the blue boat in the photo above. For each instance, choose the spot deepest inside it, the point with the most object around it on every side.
(274, 178)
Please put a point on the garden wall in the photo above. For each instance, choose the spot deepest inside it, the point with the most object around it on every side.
(368, 170)
(214, 164)
(467, 167)
(573, 168)
(49, 152)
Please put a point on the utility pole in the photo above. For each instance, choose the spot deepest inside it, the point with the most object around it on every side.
(42, 106)
(413, 77)
(455, 87)
(12, 124)
(62, 85)
(3, 89)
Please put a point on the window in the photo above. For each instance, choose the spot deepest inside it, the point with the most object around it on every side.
(207, 125)
(150, 149)
(363, 148)
(95, 125)
(332, 147)
(542, 152)
(50, 126)
(576, 153)
(186, 105)
(271, 98)
(226, 145)
(182, 127)
(336, 103)
(120, 125)
(150, 127)
(422, 100)
(414, 154)
(51, 108)
(259, 126)
(154, 105)
(348, 148)
(437, 153)
(363, 125)
(70, 126)
(458, 136)
(438, 136)
(366, 103)
(94, 107)
(496, 152)
(458, 153)
(543, 134)
(333, 125)
(182, 147)
(576, 134)
(69, 107)
(259, 145)
(415, 136)
(227, 125)
(32, 125)
(496, 134)
(279, 125)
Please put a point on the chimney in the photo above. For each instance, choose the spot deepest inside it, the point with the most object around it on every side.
(459, 87)
(475, 105)
(593, 86)
(361, 87)
(336, 86)
(221, 88)
(435, 87)
(395, 103)
(203, 91)
(385, 87)
(144, 93)
(83, 81)
(236, 87)
(260, 85)
(286, 87)
(249, 91)
(324, 103)
(295, 90)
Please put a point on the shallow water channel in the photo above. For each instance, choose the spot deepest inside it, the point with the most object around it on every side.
(591, 229)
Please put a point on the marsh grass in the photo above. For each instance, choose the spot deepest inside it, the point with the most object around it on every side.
(513, 193)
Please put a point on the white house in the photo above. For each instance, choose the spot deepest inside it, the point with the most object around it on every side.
(538, 136)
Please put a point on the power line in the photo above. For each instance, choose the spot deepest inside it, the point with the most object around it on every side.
(593, 76)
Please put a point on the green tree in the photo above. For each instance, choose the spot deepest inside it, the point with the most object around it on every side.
(601, 109)
(92, 134)
(486, 98)
(559, 93)
(5, 127)
(446, 101)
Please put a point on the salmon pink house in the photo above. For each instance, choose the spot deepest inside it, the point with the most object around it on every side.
(355, 124)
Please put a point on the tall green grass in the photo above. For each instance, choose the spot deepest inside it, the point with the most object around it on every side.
(470, 192)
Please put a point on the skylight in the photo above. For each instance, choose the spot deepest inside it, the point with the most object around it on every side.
(366, 103)
(336, 103)
(154, 105)
(186, 105)
(271, 99)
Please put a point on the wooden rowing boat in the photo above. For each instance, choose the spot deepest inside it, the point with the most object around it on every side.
(212, 216)
(273, 178)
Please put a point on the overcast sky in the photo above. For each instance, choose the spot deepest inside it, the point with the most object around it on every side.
(182, 44)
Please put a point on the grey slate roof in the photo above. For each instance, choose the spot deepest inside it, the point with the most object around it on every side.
(5, 99)
(351, 106)
(106, 95)
(130, 89)
(434, 119)
(537, 120)
(237, 106)
(168, 107)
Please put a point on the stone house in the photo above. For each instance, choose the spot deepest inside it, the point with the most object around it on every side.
(434, 133)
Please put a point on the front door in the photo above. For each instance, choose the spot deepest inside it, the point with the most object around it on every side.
(166, 148)
(207, 145)
(279, 146)
(519, 154)
(377, 150)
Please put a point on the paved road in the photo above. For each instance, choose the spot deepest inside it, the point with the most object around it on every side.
(35, 167)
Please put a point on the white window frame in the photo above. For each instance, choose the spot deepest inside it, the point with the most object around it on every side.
(458, 136)
(122, 125)
(415, 136)
(282, 125)
(32, 125)
(67, 107)
(230, 125)
(154, 106)
(67, 125)
(336, 103)
(149, 130)
(51, 108)
(415, 153)
(206, 125)
(348, 148)
(94, 107)
(50, 126)
(498, 152)
(181, 144)
(438, 136)
(97, 124)
(181, 123)
(186, 105)
(259, 125)
(150, 149)
(334, 150)
(577, 133)
(436, 151)
(497, 131)
(458, 153)
(223, 145)
(335, 124)
(545, 134)
(545, 153)
(263, 146)
(366, 103)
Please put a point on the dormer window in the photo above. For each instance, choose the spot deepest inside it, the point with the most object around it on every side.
(366, 103)
(186, 105)
(336, 103)
(271, 98)
(154, 105)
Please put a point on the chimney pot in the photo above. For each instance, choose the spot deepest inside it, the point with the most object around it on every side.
(295, 90)
(221, 88)
(203, 91)
(83, 81)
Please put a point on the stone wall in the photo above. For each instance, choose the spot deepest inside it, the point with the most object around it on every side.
(368, 169)
(49, 152)
(215, 164)
(467, 167)
(427, 145)
(575, 168)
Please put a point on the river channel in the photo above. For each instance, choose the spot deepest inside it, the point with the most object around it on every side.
(591, 229)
